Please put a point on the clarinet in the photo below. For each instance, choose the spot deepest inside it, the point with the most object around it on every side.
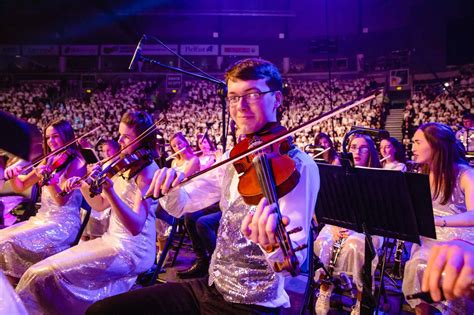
(397, 258)
(335, 251)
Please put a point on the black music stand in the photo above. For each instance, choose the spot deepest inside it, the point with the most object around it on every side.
(375, 202)
(20, 138)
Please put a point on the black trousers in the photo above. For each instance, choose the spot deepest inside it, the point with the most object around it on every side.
(184, 298)
(202, 227)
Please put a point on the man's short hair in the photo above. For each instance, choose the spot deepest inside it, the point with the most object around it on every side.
(255, 69)
(469, 116)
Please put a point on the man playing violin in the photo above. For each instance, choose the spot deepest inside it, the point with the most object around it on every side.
(75, 278)
(57, 222)
(242, 279)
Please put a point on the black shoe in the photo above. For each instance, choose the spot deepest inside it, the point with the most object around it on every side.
(197, 270)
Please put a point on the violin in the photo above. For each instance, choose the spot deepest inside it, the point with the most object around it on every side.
(134, 162)
(283, 168)
(272, 174)
(55, 155)
(119, 163)
(55, 165)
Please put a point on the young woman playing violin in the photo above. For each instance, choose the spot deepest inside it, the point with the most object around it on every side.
(73, 279)
(55, 226)
(242, 279)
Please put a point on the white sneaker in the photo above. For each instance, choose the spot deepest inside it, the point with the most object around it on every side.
(356, 308)
(323, 303)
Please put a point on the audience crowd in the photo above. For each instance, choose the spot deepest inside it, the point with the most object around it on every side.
(197, 107)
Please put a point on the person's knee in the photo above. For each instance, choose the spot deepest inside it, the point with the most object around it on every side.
(38, 271)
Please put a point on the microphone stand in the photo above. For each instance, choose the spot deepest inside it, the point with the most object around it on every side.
(221, 86)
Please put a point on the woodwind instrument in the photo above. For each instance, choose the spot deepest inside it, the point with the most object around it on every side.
(172, 156)
(397, 261)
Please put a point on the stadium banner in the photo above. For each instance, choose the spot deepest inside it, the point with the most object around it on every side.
(174, 81)
(9, 50)
(117, 50)
(200, 50)
(158, 50)
(239, 50)
(37, 50)
(79, 50)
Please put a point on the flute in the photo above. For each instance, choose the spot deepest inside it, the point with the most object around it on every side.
(385, 158)
(175, 154)
(325, 150)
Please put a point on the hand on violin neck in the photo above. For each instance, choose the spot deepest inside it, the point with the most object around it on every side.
(163, 180)
(260, 225)
(42, 170)
(108, 186)
(71, 184)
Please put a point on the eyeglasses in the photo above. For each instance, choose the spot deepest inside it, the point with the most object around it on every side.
(361, 149)
(249, 97)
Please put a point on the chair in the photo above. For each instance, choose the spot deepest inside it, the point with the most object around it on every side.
(176, 223)
(22, 205)
(85, 220)
(308, 301)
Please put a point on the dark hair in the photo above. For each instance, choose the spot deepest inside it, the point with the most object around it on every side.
(399, 149)
(111, 143)
(140, 121)
(373, 160)
(255, 69)
(65, 131)
(200, 138)
(468, 115)
(446, 154)
(332, 153)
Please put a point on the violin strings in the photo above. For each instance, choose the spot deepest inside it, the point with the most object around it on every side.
(262, 168)
(280, 226)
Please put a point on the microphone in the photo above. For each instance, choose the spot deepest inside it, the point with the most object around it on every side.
(137, 55)
(378, 133)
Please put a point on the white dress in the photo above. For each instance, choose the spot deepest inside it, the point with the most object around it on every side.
(67, 283)
(52, 230)
(416, 266)
(10, 303)
(395, 166)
